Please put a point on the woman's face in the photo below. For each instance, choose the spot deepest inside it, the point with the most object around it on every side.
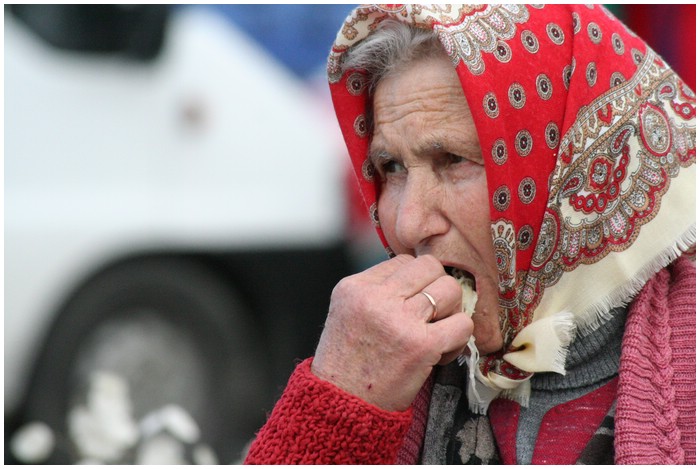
(433, 197)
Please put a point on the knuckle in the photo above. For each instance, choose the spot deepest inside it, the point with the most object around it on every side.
(347, 299)
(450, 292)
(355, 299)
(451, 285)
(346, 287)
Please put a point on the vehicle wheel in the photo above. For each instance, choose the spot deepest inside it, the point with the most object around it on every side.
(176, 333)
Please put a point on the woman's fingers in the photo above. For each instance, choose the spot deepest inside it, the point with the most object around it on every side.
(450, 336)
(414, 276)
(446, 293)
(382, 271)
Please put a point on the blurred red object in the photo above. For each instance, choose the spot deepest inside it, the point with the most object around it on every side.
(669, 30)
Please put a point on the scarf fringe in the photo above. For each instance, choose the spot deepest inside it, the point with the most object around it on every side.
(565, 328)
(479, 397)
(521, 394)
(589, 321)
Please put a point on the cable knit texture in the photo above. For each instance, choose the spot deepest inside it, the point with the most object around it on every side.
(315, 422)
(655, 418)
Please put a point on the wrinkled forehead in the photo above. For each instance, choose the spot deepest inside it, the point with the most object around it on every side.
(422, 112)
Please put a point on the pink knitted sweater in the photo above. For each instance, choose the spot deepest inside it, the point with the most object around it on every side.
(316, 422)
(655, 416)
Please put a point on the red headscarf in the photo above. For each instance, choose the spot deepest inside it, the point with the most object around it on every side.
(588, 140)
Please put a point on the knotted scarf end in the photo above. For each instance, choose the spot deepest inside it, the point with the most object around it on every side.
(548, 354)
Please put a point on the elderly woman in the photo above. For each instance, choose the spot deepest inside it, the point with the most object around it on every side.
(531, 171)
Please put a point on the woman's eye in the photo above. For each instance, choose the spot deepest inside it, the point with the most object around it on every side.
(391, 167)
(454, 159)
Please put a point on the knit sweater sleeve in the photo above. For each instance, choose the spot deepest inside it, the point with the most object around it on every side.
(315, 422)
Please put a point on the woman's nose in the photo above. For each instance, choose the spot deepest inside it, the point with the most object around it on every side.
(419, 214)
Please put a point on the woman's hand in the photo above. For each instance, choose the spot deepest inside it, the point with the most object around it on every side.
(378, 343)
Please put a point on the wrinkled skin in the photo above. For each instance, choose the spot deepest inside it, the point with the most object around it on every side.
(434, 210)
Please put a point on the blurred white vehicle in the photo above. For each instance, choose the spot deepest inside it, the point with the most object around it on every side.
(175, 220)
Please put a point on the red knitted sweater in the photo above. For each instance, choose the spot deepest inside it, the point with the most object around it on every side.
(314, 422)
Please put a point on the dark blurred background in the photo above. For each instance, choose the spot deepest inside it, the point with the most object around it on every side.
(178, 209)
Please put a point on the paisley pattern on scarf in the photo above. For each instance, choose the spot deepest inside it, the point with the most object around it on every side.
(605, 205)
(588, 141)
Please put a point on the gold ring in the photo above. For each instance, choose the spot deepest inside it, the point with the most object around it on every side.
(434, 304)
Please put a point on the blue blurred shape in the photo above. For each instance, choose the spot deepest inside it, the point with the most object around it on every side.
(300, 36)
